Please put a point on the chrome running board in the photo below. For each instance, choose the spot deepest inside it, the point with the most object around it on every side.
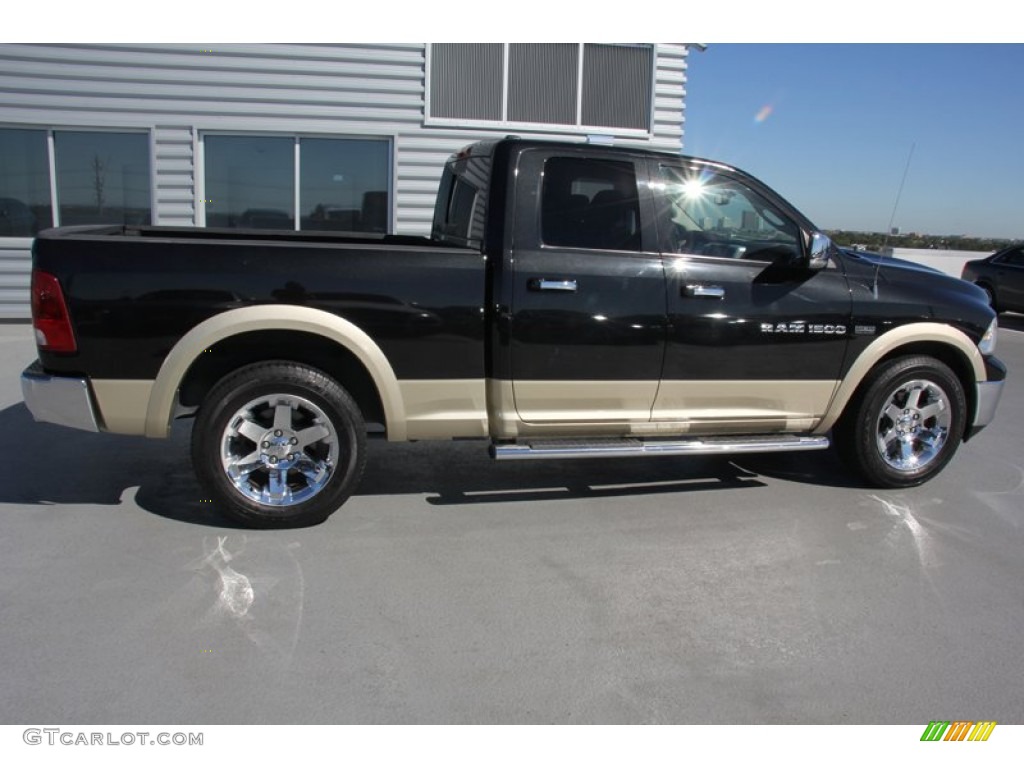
(630, 447)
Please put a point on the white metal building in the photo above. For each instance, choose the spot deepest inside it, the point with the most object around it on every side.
(343, 137)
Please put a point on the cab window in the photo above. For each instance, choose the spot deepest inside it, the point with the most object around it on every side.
(709, 214)
(460, 212)
(590, 203)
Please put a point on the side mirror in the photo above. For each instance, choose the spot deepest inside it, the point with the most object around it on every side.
(821, 250)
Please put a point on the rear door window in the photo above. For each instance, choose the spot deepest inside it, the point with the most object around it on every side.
(590, 203)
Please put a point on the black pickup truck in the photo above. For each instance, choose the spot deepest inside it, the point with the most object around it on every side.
(573, 300)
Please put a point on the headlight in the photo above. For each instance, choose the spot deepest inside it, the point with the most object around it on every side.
(987, 345)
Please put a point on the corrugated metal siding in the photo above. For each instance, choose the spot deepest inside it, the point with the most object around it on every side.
(15, 268)
(175, 91)
(669, 96)
(174, 183)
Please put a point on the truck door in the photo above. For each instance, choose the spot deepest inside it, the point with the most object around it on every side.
(587, 331)
(754, 344)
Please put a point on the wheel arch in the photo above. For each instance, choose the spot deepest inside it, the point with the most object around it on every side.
(942, 342)
(230, 328)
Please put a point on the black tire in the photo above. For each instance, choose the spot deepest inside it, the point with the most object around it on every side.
(278, 445)
(905, 424)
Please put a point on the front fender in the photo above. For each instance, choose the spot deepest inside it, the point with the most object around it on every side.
(903, 336)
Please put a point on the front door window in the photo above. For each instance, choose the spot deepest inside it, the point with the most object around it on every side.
(713, 215)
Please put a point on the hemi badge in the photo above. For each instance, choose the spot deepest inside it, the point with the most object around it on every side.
(864, 330)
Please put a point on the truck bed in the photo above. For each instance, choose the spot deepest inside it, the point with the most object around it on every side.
(131, 301)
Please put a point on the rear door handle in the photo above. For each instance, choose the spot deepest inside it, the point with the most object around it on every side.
(545, 284)
(704, 291)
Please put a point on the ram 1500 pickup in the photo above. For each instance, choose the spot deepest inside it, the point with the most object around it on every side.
(572, 301)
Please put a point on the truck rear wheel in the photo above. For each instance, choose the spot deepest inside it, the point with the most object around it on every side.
(907, 423)
(279, 445)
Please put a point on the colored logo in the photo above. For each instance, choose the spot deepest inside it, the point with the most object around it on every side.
(959, 730)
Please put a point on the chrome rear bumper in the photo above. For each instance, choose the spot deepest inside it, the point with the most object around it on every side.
(64, 400)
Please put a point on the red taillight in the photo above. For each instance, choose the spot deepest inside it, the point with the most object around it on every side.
(50, 314)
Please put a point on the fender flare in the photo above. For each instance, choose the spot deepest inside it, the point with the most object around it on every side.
(890, 342)
(276, 317)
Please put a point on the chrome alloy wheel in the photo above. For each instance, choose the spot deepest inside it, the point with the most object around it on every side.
(279, 449)
(914, 425)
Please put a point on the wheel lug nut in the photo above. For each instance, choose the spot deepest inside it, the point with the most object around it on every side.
(273, 459)
(278, 433)
(266, 443)
(294, 441)
(291, 457)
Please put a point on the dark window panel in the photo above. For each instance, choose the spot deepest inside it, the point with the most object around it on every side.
(24, 183)
(617, 86)
(466, 80)
(542, 83)
(343, 184)
(103, 178)
(250, 181)
(590, 204)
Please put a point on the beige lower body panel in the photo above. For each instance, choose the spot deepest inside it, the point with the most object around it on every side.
(575, 401)
(713, 407)
(434, 409)
(478, 408)
(444, 408)
(652, 408)
(122, 404)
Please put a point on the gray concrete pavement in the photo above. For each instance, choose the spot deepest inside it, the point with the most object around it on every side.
(452, 589)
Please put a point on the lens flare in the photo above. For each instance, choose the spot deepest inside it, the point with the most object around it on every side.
(693, 188)
(763, 114)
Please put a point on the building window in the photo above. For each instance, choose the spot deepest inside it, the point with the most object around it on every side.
(343, 184)
(570, 85)
(287, 182)
(100, 178)
(250, 182)
(25, 205)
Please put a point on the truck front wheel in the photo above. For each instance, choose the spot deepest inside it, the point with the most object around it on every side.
(907, 423)
(279, 445)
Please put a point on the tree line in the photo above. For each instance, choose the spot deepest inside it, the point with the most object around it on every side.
(873, 241)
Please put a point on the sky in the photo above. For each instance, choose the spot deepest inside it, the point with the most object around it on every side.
(831, 128)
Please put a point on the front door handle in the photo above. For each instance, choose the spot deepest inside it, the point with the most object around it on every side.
(704, 291)
(545, 284)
